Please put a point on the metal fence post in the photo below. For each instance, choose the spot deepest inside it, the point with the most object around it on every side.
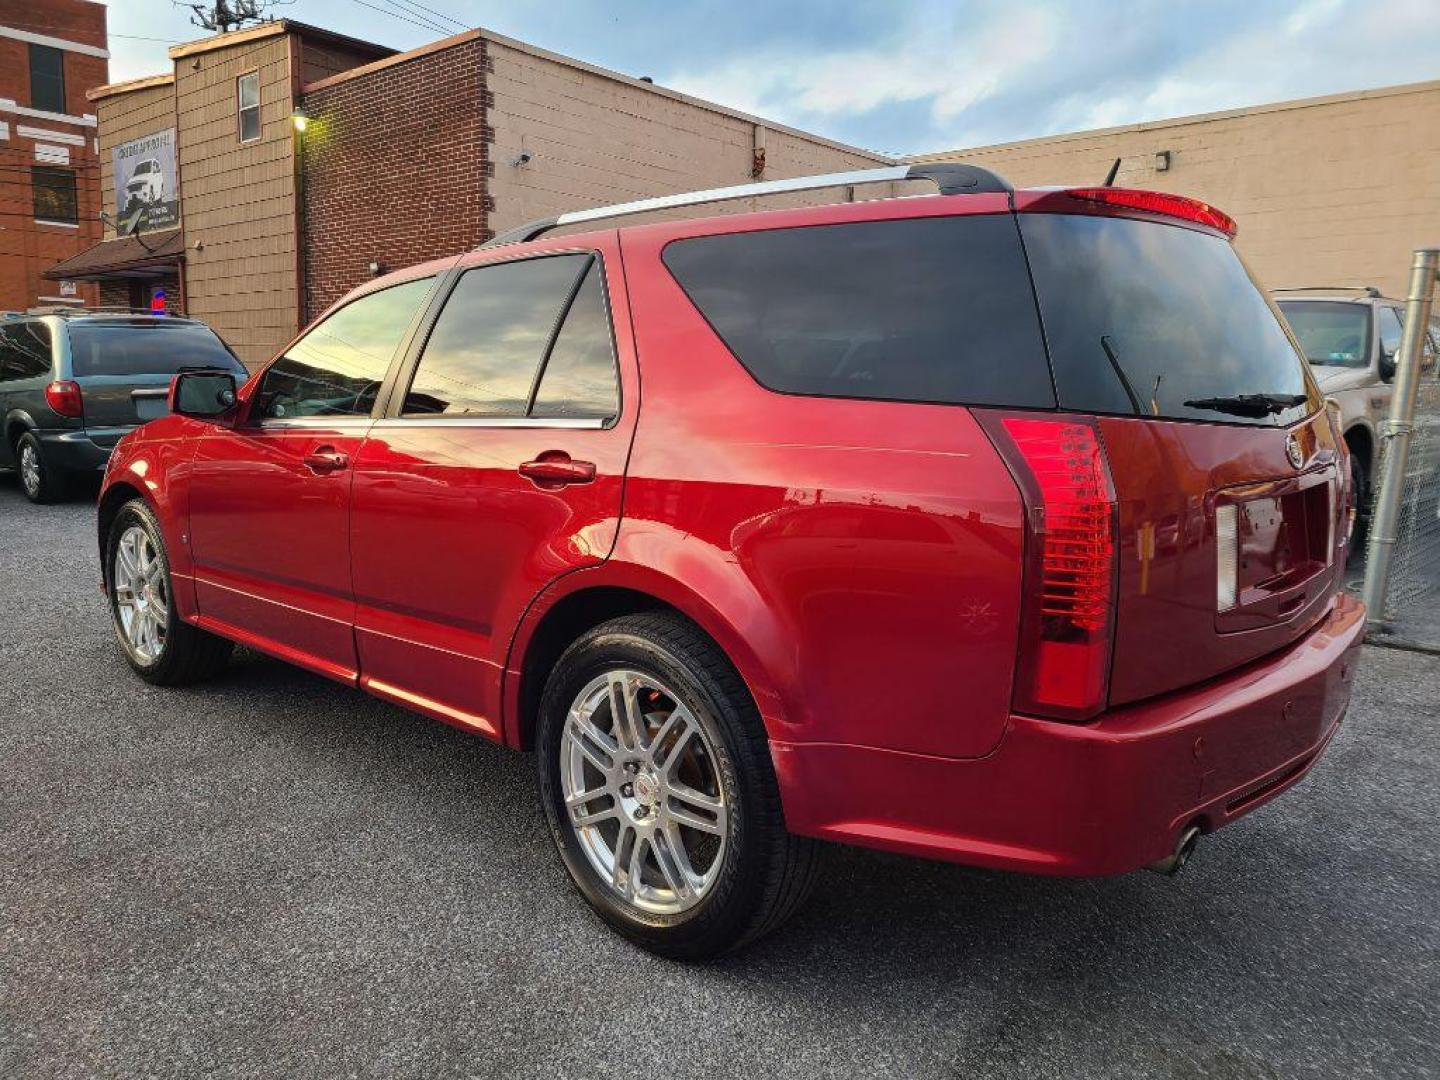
(1395, 446)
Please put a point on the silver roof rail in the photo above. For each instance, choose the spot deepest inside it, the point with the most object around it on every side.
(951, 177)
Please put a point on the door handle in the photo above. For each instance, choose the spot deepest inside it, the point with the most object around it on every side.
(326, 459)
(555, 469)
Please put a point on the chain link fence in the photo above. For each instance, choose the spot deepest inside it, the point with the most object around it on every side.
(1402, 583)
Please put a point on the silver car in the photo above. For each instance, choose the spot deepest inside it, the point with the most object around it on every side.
(1350, 337)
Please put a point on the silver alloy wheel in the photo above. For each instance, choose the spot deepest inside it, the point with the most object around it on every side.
(643, 792)
(142, 599)
(30, 470)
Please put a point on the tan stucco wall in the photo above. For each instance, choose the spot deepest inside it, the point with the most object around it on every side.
(239, 199)
(596, 137)
(1327, 191)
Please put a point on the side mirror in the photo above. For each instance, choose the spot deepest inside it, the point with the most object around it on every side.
(202, 394)
(1387, 365)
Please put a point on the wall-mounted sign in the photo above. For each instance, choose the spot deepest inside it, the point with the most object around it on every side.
(67, 288)
(145, 184)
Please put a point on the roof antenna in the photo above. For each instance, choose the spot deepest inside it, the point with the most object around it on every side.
(1110, 176)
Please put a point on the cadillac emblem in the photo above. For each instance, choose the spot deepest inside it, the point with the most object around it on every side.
(1293, 451)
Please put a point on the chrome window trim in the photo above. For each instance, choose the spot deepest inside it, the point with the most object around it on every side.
(572, 422)
(345, 422)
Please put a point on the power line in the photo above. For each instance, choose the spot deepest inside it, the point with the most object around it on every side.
(396, 15)
(432, 11)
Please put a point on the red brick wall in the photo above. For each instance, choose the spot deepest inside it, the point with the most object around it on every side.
(123, 292)
(27, 249)
(395, 162)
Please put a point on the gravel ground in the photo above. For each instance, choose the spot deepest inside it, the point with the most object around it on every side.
(275, 876)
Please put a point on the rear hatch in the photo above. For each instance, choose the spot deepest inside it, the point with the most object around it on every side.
(124, 367)
(1223, 460)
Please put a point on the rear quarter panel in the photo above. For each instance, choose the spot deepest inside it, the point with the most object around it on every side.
(867, 554)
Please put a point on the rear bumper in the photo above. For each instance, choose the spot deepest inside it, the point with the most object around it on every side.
(82, 451)
(1099, 798)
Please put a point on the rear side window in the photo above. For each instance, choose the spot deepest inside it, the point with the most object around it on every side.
(1159, 320)
(928, 309)
(24, 351)
(152, 347)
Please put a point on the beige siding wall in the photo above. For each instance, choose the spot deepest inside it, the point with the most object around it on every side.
(239, 198)
(1328, 191)
(321, 59)
(597, 138)
(126, 116)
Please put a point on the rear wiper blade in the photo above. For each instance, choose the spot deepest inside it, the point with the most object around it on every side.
(1255, 405)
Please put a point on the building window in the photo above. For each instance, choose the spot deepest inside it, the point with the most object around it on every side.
(247, 100)
(47, 79)
(55, 195)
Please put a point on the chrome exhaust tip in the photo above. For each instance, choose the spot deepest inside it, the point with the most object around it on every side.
(1176, 860)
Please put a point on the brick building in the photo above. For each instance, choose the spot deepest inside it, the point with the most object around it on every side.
(51, 52)
(1333, 190)
(402, 157)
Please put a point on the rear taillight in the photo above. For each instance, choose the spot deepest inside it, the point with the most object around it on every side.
(63, 397)
(1068, 612)
(1157, 202)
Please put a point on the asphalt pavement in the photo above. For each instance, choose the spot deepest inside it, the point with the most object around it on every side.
(274, 876)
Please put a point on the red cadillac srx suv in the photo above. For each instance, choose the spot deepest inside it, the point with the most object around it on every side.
(997, 526)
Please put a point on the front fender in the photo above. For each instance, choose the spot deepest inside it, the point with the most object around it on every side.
(156, 465)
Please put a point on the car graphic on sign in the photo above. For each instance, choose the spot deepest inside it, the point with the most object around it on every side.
(146, 183)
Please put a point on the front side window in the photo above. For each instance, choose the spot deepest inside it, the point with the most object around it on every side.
(496, 330)
(926, 309)
(247, 103)
(1390, 331)
(24, 351)
(54, 195)
(47, 79)
(336, 369)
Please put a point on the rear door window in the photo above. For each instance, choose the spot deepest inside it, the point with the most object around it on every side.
(24, 351)
(1159, 320)
(579, 377)
(927, 309)
(496, 329)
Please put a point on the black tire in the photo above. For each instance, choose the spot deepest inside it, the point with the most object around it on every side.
(765, 874)
(40, 480)
(1360, 484)
(187, 654)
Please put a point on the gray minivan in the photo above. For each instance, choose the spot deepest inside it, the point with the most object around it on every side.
(73, 383)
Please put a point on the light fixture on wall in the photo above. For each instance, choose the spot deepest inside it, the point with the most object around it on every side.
(1162, 161)
(300, 120)
(522, 158)
(376, 268)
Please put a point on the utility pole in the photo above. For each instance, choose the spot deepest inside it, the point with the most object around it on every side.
(226, 15)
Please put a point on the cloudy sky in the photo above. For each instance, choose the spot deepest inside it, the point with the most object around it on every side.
(906, 76)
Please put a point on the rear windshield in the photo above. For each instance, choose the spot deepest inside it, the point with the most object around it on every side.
(1159, 320)
(928, 309)
(151, 347)
(1333, 333)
